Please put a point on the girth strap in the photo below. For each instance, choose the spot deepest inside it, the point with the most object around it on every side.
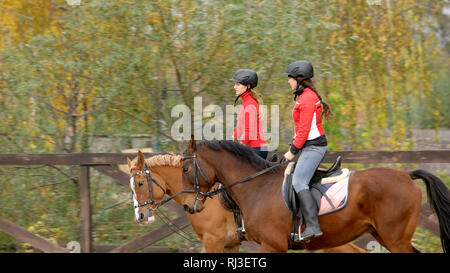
(240, 230)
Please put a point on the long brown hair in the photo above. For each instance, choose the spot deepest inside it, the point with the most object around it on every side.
(326, 113)
(256, 96)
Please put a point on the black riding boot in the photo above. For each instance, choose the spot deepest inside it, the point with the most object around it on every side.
(309, 211)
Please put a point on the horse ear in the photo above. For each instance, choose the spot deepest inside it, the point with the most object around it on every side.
(129, 162)
(140, 162)
(192, 145)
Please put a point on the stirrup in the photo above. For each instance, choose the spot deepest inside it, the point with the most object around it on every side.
(310, 237)
(294, 237)
(241, 229)
(307, 239)
(298, 239)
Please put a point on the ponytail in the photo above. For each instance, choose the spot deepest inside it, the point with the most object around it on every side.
(256, 96)
(253, 94)
(326, 113)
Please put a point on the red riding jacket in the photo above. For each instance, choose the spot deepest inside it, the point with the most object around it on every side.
(308, 121)
(249, 129)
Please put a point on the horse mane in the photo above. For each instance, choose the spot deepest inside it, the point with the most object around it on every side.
(171, 159)
(239, 150)
(166, 159)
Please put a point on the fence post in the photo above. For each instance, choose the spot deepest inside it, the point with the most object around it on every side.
(85, 210)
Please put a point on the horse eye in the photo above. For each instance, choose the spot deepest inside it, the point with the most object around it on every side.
(185, 169)
(140, 184)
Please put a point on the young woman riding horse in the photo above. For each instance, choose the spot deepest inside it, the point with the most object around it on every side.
(249, 129)
(309, 137)
(382, 201)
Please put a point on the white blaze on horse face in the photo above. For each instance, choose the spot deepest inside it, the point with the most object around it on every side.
(135, 202)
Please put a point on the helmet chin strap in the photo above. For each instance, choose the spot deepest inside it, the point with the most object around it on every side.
(299, 89)
(246, 90)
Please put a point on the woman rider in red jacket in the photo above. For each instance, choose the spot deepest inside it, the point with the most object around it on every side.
(309, 137)
(249, 129)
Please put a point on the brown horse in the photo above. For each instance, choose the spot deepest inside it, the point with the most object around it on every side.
(383, 202)
(215, 225)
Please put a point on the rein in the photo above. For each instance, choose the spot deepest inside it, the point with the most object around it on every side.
(216, 191)
(172, 226)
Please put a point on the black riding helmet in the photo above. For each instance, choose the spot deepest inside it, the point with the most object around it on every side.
(302, 69)
(246, 76)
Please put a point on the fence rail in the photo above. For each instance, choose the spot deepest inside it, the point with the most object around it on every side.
(104, 163)
(423, 156)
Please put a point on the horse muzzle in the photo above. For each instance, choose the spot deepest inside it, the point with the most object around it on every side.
(146, 217)
(196, 207)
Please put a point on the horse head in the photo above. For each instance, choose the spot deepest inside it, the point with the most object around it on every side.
(198, 176)
(145, 189)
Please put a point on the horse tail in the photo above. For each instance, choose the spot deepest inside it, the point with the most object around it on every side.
(439, 199)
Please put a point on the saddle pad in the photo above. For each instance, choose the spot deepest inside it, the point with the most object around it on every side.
(338, 194)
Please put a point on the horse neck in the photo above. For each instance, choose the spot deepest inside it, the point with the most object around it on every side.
(230, 169)
(172, 180)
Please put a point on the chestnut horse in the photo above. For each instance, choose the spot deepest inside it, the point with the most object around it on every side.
(215, 225)
(383, 202)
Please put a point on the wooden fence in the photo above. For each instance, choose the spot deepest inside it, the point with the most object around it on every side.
(105, 164)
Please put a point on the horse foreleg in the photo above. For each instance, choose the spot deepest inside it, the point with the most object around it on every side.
(213, 244)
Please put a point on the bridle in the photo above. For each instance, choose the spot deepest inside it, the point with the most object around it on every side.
(155, 204)
(202, 174)
(167, 199)
(218, 190)
(196, 191)
(149, 178)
